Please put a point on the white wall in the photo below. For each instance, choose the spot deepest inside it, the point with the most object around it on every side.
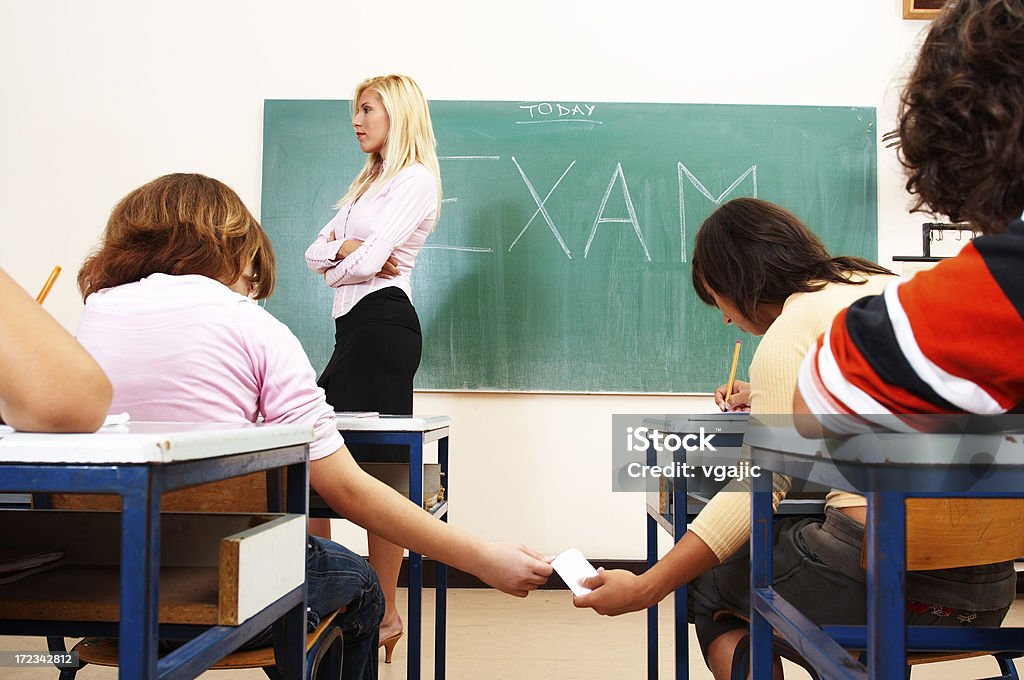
(99, 97)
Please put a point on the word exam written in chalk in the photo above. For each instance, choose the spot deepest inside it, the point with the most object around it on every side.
(621, 210)
(510, 296)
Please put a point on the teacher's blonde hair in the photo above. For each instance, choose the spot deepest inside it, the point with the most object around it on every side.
(410, 137)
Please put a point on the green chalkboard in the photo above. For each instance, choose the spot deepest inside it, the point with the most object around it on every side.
(560, 262)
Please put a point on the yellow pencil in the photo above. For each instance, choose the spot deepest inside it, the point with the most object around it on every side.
(732, 373)
(48, 285)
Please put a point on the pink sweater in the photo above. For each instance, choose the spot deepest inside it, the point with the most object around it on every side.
(395, 220)
(188, 349)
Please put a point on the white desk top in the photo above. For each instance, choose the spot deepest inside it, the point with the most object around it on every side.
(392, 423)
(150, 443)
(717, 422)
(776, 433)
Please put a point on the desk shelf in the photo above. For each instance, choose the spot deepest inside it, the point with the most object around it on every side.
(82, 593)
(205, 578)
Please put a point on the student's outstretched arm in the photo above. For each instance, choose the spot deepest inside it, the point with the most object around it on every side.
(619, 592)
(360, 498)
(48, 382)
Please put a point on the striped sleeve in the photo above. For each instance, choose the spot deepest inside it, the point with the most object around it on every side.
(950, 340)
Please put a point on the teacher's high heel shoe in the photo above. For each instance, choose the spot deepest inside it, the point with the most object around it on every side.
(389, 646)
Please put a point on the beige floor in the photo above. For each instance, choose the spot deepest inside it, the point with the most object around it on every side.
(496, 637)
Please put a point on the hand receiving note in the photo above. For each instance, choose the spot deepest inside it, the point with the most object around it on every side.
(573, 567)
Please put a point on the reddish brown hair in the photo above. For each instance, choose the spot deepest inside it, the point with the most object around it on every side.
(180, 224)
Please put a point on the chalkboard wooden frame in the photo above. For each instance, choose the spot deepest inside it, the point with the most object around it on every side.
(922, 9)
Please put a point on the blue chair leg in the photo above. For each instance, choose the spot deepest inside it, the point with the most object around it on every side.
(1006, 665)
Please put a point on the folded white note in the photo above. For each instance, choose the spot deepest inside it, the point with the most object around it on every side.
(572, 566)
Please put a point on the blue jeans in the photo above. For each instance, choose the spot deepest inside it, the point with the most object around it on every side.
(336, 577)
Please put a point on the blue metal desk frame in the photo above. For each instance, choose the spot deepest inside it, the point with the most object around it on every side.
(415, 440)
(887, 637)
(140, 488)
(675, 524)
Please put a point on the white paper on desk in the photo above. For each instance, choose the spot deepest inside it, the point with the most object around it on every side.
(116, 419)
(116, 422)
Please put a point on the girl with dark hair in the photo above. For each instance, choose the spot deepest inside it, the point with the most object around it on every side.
(750, 257)
(772, 277)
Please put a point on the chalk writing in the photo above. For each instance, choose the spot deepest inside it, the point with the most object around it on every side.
(683, 170)
(632, 219)
(546, 112)
(685, 178)
(466, 249)
(541, 209)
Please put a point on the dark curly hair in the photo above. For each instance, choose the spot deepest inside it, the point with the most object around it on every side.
(753, 252)
(961, 120)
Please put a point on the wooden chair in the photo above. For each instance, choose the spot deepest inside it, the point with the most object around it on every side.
(245, 494)
(948, 533)
(323, 654)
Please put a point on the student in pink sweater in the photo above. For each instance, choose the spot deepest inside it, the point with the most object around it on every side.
(170, 316)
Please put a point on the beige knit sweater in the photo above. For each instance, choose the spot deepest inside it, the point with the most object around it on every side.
(724, 524)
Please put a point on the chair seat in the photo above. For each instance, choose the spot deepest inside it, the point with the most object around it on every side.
(104, 651)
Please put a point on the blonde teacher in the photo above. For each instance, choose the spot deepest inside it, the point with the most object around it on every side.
(367, 253)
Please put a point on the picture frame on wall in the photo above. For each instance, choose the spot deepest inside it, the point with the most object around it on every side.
(921, 9)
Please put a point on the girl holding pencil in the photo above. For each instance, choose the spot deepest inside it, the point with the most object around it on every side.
(771, 277)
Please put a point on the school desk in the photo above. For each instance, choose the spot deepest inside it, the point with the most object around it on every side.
(139, 462)
(728, 429)
(887, 468)
(412, 432)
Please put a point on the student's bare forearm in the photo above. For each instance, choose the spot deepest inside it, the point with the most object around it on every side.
(377, 507)
(47, 380)
(688, 559)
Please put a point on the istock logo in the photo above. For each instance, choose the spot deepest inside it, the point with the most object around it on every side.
(637, 439)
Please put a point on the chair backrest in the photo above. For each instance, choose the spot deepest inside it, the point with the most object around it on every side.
(239, 494)
(944, 533)
(947, 533)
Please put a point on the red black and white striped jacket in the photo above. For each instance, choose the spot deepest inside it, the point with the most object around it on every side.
(949, 340)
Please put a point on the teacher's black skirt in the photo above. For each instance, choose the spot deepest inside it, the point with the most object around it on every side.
(377, 347)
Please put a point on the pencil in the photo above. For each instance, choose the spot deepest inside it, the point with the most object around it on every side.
(48, 285)
(732, 373)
